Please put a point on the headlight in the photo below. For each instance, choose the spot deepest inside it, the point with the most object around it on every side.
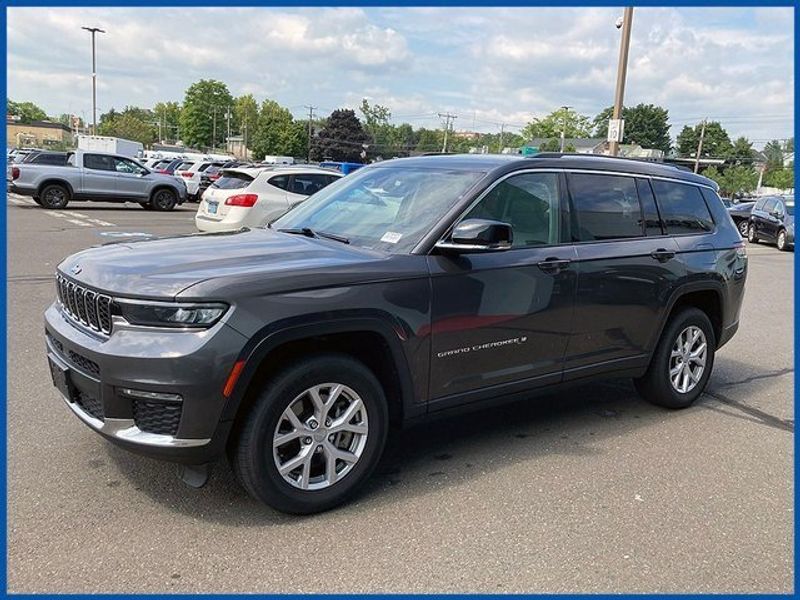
(168, 314)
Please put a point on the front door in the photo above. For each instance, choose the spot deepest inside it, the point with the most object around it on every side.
(131, 179)
(501, 320)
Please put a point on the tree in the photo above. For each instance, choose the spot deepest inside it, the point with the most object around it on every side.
(246, 110)
(741, 151)
(168, 115)
(133, 123)
(645, 124)
(738, 179)
(203, 100)
(782, 178)
(342, 138)
(773, 150)
(275, 133)
(429, 140)
(716, 142)
(26, 111)
(554, 145)
(573, 124)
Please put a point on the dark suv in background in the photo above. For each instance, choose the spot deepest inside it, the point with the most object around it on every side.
(772, 220)
(409, 288)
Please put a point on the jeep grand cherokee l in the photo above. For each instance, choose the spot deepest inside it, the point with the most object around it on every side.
(411, 287)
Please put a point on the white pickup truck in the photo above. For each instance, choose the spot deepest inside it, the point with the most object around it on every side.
(96, 176)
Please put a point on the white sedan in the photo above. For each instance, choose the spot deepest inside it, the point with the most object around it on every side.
(252, 197)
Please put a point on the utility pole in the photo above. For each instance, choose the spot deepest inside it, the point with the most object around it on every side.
(448, 118)
(214, 131)
(93, 31)
(622, 71)
(244, 140)
(228, 117)
(311, 110)
(564, 128)
(502, 132)
(700, 147)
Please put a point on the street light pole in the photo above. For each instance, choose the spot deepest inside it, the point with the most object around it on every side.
(564, 127)
(622, 71)
(93, 31)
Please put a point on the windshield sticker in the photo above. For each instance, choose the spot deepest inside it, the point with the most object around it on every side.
(390, 237)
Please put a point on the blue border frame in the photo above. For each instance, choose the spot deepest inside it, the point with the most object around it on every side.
(368, 3)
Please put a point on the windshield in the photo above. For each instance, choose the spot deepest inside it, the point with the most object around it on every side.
(383, 208)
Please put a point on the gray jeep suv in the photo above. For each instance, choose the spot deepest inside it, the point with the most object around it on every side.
(409, 288)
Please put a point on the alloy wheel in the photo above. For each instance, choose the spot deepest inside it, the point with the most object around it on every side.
(687, 360)
(320, 436)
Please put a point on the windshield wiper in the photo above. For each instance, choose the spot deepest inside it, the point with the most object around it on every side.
(308, 232)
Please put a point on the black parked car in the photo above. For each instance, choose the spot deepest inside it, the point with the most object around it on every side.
(168, 166)
(407, 289)
(772, 220)
(740, 213)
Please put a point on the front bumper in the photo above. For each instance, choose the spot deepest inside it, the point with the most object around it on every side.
(189, 365)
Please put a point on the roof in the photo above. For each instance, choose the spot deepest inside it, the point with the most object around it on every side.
(39, 124)
(289, 169)
(509, 163)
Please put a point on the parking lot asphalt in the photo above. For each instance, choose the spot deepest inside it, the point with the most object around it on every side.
(591, 490)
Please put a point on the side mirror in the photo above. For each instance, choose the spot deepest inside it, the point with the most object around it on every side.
(478, 235)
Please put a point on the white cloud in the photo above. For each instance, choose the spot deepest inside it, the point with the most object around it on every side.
(490, 65)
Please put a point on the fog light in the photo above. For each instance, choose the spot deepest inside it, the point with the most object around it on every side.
(145, 395)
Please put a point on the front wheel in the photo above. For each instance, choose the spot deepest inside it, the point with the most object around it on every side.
(751, 234)
(682, 363)
(782, 242)
(164, 200)
(313, 436)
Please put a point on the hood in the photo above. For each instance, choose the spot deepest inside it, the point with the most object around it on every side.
(163, 267)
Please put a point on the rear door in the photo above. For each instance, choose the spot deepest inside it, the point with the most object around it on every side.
(626, 267)
(99, 176)
(768, 222)
(501, 320)
(302, 185)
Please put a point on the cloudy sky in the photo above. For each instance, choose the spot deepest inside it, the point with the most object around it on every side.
(487, 65)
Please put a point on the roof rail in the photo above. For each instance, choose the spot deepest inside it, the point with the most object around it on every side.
(600, 156)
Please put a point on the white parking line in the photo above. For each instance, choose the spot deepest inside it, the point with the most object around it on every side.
(76, 218)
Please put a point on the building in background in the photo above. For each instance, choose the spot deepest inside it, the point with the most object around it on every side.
(38, 134)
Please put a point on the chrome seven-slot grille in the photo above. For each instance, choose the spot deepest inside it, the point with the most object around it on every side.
(84, 305)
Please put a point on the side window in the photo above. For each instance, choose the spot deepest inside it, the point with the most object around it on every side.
(769, 205)
(122, 165)
(98, 162)
(307, 184)
(760, 204)
(780, 209)
(529, 203)
(682, 207)
(279, 181)
(332, 178)
(606, 207)
(652, 221)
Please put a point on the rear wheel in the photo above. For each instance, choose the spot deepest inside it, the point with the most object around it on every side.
(743, 227)
(164, 200)
(54, 196)
(781, 242)
(682, 363)
(146, 205)
(751, 234)
(313, 436)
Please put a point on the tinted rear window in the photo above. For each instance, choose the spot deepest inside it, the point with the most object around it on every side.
(184, 166)
(279, 181)
(233, 181)
(50, 159)
(606, 207)
(682, 207)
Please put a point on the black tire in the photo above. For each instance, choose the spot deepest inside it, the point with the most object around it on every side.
(655, 386)
(751, 234)
(164, 200)
(54, 196)
(251, 451)
(743, 227)
(37, 200)
(782, 241)
(146, 205)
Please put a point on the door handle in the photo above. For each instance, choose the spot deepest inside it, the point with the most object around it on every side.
(553, 265)
(662, 255)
